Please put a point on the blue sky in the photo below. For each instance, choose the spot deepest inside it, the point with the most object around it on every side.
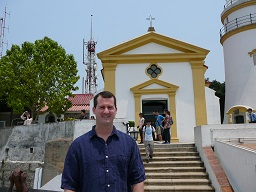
(68, 22)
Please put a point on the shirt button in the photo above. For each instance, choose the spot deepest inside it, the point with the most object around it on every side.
(107, 170)
(108, 185)
(106, 156)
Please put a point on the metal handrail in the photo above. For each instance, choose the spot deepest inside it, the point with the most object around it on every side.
(230, 2)
(238, 22)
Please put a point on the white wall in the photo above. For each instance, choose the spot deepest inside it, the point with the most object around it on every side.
(212, 107)
(206, 135)
(41, 118)
(147, 49)
(239, 164)
(241, 12)
(83, 126)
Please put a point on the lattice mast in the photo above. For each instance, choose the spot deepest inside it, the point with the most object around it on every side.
(2, 32)
(90, 63)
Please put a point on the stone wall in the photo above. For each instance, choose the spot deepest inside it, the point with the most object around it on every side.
(8, 166)
(27, 143)
(24, 147)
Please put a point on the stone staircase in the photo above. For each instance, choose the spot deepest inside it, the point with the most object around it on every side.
(175, 167)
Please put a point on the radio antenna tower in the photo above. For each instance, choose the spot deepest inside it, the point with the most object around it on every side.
(90, 63)
(2, 32)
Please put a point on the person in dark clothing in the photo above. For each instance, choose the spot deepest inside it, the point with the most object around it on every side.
(82, 116)
(103, 159)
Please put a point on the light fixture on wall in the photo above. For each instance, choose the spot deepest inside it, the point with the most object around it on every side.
(236, 111)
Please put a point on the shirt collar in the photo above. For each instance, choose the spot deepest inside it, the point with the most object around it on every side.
(94, 134)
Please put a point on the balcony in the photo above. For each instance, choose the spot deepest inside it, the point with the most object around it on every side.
(238, 23)
(232, 3)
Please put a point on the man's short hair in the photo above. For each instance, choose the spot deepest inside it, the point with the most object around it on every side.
(83, 110)
(148, 120)
(103, 94)
(249, 109)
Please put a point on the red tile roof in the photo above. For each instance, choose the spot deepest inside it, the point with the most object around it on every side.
(79, 102)
(79, 108)
(81, 99)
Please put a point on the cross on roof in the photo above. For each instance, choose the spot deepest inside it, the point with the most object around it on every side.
(150, 18)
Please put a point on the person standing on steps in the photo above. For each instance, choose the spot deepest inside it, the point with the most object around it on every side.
(251, 115)
(103, 159)
(167, 126)
(140, 126)
(148, 129)
(159, 127)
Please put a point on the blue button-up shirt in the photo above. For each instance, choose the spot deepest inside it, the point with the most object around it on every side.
(93, 165)
(252, 117)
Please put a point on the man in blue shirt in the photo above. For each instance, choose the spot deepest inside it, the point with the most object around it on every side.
(251, 115)
(159, 127)
(104, 159)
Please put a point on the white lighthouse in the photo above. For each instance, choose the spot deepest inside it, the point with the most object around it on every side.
(238, 37)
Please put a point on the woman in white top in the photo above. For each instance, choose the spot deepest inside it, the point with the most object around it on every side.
(26, 117)
(140, 126)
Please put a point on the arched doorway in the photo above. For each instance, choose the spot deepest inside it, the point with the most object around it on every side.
(150, 106)
(239, 119)
(50, 118)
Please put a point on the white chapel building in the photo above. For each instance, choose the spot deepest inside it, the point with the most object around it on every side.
(156, 72)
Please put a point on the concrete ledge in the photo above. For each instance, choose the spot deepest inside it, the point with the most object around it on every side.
(217, 170)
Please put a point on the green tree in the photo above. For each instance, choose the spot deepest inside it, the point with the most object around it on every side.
(220, 92)
(37, 74)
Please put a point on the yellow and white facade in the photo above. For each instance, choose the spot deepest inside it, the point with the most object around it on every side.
(177, 77)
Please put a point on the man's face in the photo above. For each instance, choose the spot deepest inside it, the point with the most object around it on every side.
(156, 113)
(105, 110)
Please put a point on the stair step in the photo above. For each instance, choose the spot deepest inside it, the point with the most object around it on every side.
(171, 145)
(172, 182)
(153, 163)
(174, 169)
(187, 188)
(171, 149)
(183, 175)
(176, 158)
(168, 154)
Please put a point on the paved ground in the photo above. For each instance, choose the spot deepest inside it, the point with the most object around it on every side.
(251, 145)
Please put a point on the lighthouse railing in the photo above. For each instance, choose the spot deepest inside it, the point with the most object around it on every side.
(237, 23)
